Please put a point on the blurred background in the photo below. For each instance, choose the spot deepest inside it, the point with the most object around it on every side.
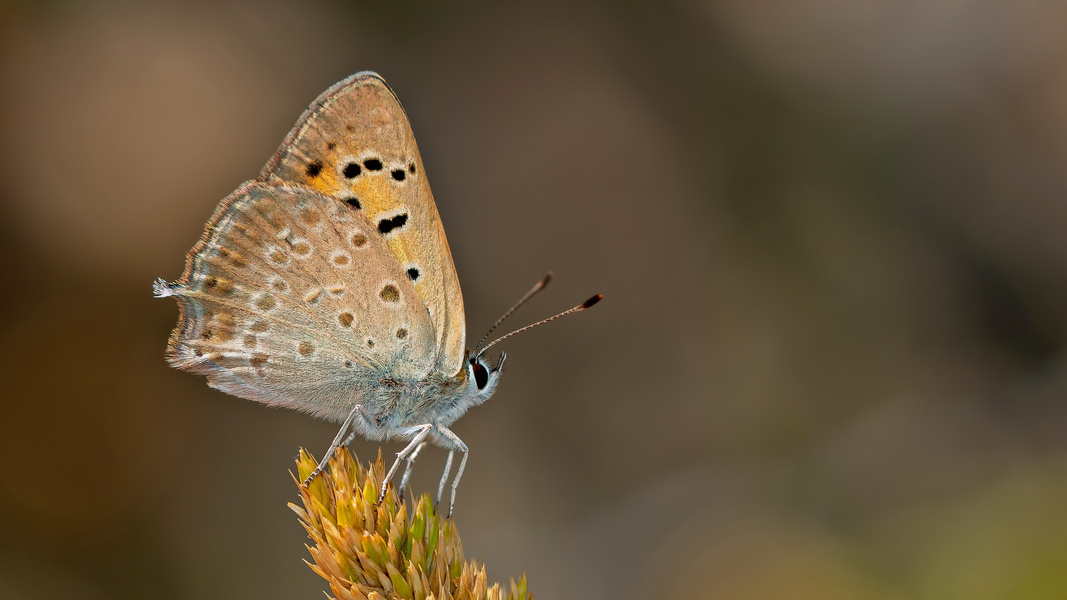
(830, 362)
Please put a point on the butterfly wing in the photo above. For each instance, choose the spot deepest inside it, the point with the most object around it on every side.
(354, 143)
(293, 298)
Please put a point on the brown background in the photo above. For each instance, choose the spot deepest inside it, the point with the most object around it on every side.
(830, 236)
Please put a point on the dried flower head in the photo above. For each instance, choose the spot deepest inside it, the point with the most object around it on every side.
(367, 550)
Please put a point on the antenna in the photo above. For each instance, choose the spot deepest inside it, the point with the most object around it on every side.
(584, 305)
(540, 285)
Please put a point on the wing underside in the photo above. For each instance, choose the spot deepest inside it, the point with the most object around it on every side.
(290, 298)
(354, 143)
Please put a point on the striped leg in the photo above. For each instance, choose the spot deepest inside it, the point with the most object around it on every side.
(335, 444)
(459, 445)
(421, 432)
(407, 471)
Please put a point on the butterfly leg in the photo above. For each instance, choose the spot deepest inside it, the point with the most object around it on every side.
(459, 445)
(444, 476)
(420, 436)
(407, 471)
(348, 440)
(334, 445)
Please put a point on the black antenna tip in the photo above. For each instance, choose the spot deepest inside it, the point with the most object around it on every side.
(547, 278)
(590, 302)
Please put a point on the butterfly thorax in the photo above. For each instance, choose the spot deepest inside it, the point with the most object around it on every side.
(393, 407)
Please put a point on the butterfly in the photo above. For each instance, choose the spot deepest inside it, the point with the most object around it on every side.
(326, 285)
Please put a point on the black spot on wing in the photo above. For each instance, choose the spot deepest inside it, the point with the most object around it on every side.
(387, 225)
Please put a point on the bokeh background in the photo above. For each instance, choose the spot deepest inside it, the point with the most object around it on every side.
(830, 362)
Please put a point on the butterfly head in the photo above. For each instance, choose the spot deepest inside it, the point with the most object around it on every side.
(482, 377)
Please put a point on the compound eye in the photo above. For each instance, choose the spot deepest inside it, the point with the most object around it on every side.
(481, 375)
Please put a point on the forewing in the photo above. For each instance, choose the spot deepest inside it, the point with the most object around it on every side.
(354, 143)
(291, 298)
